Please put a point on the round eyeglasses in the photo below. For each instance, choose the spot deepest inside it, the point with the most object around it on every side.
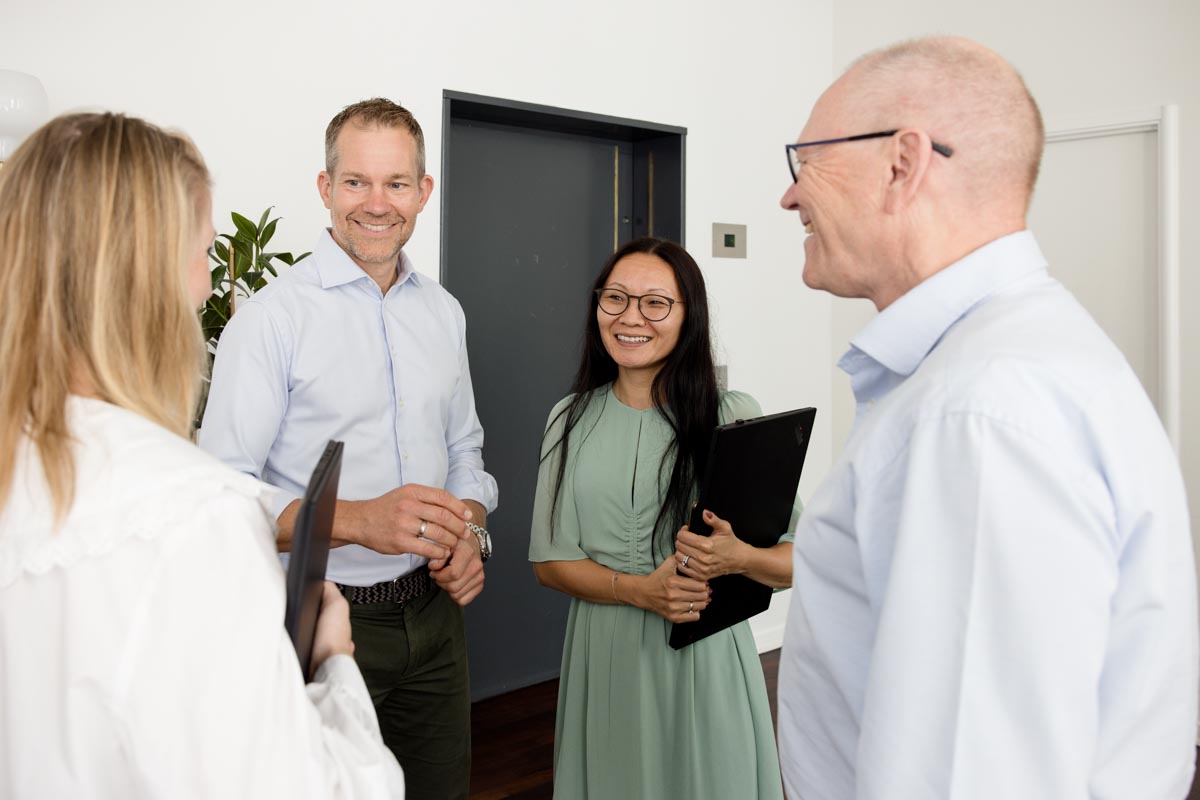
(653, 307)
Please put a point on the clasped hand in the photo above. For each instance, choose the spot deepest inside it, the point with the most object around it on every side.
(708, 557)
(674, 597)
(413, 519)
(429, 522)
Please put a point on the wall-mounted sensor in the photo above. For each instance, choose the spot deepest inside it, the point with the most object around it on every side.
(728, 241)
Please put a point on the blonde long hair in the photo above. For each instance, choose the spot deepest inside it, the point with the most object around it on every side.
(98, 216)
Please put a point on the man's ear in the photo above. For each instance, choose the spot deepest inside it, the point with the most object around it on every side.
(911, 152)
(325, 187)
(426, 184)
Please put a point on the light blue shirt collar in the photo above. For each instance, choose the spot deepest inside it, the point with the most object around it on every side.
(902, 334)
(335, 267)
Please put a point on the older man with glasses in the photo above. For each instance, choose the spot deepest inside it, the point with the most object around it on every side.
(994, 588)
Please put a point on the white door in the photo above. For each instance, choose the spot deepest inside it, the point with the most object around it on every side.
(1095, 214)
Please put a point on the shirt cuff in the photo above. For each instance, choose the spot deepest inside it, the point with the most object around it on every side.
(478, 486)
(275, 500)
(341, 669)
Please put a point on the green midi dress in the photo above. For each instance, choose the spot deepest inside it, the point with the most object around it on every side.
(635, 718)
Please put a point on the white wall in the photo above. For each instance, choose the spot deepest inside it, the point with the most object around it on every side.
(254, 83)
(1084, 60)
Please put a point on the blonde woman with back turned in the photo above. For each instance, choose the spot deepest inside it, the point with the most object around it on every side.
(142, 652)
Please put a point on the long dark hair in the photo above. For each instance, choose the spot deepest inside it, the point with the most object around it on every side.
(684, 391)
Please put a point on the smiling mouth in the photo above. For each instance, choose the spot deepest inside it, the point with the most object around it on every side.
(374, 228)
(632, 339)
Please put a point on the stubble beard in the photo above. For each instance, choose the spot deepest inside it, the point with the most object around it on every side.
(369, 252)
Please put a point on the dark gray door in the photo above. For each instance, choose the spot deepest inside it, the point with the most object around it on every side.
(529, 216)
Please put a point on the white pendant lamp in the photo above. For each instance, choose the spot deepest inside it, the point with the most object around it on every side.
(23, 107)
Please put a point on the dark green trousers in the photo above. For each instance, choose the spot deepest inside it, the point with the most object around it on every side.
(414, 661)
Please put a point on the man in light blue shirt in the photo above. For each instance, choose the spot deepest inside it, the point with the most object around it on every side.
(353, 344)
(994, 587)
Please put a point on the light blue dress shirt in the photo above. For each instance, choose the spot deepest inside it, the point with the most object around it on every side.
(321, 353)
(994, 587)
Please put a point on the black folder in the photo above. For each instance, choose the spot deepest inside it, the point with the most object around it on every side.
(750, 481)
(310, 553)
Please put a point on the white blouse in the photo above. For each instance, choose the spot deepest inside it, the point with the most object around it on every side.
(142, 651)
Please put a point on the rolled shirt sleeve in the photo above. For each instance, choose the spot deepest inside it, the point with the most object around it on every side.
(466, 478)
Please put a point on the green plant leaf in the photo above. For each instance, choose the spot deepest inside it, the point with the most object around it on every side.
(245, 254)
(264, 263)
(214, 317)
(222, 252)
(303, 256)
(245, 226)
(267, 233)
(219, 304)
(263, 221)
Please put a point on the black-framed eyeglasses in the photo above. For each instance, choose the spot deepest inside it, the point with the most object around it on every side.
(794, 158)
(653, 307)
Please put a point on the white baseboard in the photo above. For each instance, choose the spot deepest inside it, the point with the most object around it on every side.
(770, 638)
(768, 627)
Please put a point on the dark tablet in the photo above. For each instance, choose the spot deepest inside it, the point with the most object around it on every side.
(750, 481)
(309, 554)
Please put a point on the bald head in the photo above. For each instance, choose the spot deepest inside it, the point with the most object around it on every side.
(964, 95)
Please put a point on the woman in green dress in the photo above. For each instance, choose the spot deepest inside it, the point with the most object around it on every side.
(620, 458)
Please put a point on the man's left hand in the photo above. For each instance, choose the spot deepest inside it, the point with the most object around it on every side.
(461, 575)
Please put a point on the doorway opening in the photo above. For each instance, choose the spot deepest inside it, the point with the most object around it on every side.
(534, 199)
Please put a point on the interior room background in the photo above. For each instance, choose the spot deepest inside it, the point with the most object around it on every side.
(254, 83)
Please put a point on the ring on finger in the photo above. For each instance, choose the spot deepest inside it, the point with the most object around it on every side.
(691, 606)
(421, 530)
(685, 560)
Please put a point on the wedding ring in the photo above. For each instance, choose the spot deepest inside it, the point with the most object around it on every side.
(421, 530)
(690, 607)
(685, 560)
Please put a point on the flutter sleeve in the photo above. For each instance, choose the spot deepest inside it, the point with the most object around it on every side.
(554, 534)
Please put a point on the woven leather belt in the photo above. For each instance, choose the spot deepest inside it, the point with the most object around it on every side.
(401, 590)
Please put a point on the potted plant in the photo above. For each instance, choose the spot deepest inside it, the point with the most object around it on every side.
(242, 264)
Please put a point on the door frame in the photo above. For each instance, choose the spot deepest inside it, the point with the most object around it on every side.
(1164, 123)
(664, 219)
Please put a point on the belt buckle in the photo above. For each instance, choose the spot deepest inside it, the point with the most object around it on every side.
(394, 591)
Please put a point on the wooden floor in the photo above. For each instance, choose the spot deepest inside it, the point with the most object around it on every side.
(513, 736)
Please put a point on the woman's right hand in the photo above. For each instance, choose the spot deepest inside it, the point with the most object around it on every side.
(333, 627)
(674, 597)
